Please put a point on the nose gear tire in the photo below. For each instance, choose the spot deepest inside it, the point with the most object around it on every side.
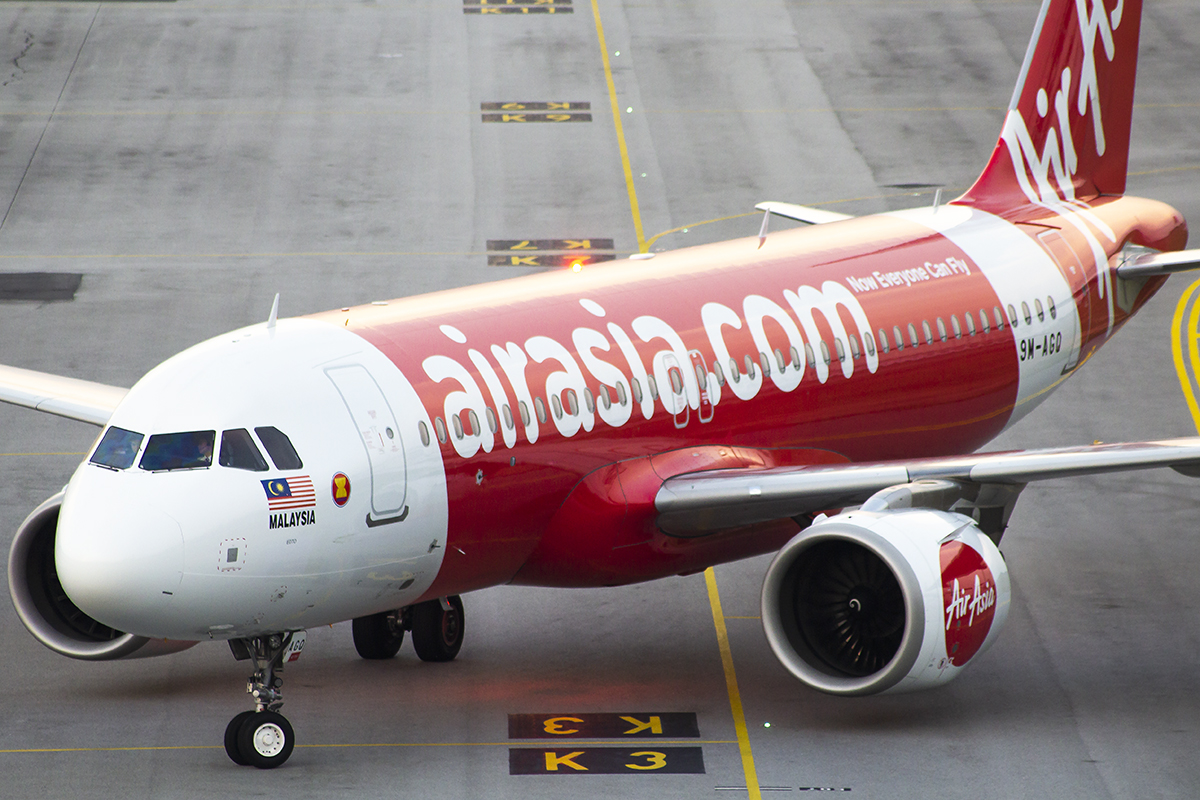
(266, 739)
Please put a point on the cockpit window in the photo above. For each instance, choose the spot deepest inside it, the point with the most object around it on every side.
(117, 449)
(168, 451)
(279, 447)
(238, 451)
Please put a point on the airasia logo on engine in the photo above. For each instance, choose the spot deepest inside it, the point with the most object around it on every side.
(969, 592)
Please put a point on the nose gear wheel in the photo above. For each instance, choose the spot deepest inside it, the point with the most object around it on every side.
(263, 737)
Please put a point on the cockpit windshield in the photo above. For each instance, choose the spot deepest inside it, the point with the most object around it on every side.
(279, 447)
(117, 449)
(170, 451)
(238, 451)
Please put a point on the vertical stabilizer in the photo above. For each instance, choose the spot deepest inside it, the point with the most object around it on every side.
(1066, 135)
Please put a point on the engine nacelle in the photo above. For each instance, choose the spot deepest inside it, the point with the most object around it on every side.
(868, 602)
(48, 613)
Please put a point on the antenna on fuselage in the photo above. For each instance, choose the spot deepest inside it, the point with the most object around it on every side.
(762, 232)
(274, 315)
(937, 199)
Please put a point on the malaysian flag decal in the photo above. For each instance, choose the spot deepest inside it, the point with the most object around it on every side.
(288, 493)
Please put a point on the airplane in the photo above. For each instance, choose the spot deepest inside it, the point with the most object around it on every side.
(818, 393)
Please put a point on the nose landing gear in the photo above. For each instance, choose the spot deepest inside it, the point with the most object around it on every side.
(263, 737)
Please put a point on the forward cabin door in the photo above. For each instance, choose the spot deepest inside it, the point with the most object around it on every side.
(380, 437)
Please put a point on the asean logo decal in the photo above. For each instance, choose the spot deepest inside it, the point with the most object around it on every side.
(969, 591)
(340, 489)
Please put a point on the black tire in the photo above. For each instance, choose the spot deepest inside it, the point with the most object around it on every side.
(266, 739)
(437, 634)
(231, 738)
(378, 636)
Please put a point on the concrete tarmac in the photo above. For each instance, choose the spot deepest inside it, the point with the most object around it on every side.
(190, 159)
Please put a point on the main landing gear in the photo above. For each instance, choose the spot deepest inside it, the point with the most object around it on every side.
(437, 630)
(263, 737)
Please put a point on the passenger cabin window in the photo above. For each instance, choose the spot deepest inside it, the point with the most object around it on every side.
(456, 421)
(955, 326)
(238, 451)
(884, 346)
(424, 431)
(439, 428)
(473, 418)
(912, 334)
(941, 329)
(540, 407)
(999, 317)
(279, 448)
(1037, 307)
(524, 409)
(779, 359)
(637, 390)
(854, 348)
(556, 404)
(983, 321)
(808, 354)
(1053, 310)
(970, 323)
(734, 373)
(493, 423)
(898, 336)
(508, 417)
(925, 330)
(604, 398)
(589, 400)
(623, 397)
(1025, 313)
(841, 350)
(171, 451)
(824, 352)
(720, 373)
(117, 449)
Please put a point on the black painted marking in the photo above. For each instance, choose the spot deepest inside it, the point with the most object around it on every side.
(39, 285)
(517, 7)
(497, 260)
(552, 105)
(534, 245)
(635, 724)
(525, 117)
(647, 760)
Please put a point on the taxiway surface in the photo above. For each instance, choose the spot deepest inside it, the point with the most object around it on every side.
(191, 159)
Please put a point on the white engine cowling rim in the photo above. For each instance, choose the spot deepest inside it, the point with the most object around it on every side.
(908, 543)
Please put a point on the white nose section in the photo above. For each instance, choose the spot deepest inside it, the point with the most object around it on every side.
(119, 562)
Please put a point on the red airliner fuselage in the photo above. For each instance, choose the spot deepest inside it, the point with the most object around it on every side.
(919, 342)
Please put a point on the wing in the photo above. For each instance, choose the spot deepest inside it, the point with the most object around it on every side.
(699, 503)
(813, 216)
(67, 397)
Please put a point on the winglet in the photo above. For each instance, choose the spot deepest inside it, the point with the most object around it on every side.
(274, 315)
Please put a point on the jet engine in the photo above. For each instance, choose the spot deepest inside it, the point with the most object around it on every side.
(869, 602)
(46, 610)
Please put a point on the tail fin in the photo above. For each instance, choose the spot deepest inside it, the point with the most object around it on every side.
(1066, 136)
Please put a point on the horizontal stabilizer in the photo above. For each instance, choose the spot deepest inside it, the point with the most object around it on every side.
(706, 502)
(1148, 265)
(813, 216)
(67, 397)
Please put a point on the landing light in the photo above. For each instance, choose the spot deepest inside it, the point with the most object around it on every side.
(577, 266)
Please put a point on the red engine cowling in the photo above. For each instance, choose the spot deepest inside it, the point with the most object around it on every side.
(870, 602)
(46, 610)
